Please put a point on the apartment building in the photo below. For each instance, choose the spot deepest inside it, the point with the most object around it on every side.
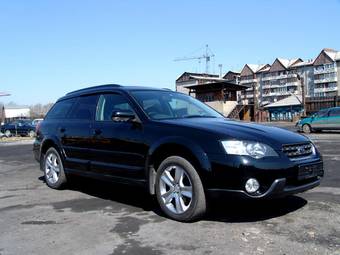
(280, 81)
(317, 77)
(250, 77)
(327, 73)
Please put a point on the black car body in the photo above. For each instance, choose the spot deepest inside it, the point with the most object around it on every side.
(131, 149)
(21, 127)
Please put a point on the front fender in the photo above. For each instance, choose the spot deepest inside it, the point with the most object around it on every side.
(191, 146)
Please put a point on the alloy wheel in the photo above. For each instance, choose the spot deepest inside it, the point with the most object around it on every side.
(52, 168)
(176, 189)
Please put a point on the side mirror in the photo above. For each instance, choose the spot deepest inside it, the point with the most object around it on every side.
(122, 116)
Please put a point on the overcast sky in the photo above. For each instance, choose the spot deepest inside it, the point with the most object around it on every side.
(48, 48)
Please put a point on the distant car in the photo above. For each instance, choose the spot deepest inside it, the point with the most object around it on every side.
(18, 127)
(325, 119)
(35, 122)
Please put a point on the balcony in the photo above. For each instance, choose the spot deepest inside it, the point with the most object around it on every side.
(325, 70)
(293, 83)
(248, 81)
(279, 93)
(288, 84)
(278, 77)
(326, 80)
(329, 89)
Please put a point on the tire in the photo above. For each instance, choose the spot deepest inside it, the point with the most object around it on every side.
(53, 169)
(307, 129)
(8, 133)
(31, 133)
(175, 178)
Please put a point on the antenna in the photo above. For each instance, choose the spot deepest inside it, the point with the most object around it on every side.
(208, 56)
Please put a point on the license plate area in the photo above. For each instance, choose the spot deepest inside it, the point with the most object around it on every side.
(310, 171)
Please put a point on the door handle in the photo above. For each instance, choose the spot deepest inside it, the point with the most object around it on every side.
(97, 131)
(62, 130)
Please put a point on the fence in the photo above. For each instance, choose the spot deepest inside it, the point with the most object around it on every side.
(314, 104)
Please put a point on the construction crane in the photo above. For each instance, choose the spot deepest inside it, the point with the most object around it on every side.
(2, 94)
(208, 56)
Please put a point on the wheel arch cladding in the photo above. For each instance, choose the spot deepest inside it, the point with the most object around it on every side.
(178, 146)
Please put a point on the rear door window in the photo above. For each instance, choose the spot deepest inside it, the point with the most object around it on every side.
(84, 108)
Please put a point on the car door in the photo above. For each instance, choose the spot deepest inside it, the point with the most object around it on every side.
(118, 149)
(74, 133)
(320, 120)
(334, 118)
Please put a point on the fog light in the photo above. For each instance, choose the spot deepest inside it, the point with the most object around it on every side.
(252, 185)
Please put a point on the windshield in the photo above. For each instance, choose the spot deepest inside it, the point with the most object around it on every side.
(160, 105)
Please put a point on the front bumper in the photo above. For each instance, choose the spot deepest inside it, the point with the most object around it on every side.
(279, 188)
(277, 176)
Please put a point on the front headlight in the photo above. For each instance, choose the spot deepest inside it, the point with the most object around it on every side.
(254, 149)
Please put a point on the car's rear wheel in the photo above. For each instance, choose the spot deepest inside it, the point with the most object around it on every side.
(179, 190)
(8, 133)
(306, 129)
(53, 169)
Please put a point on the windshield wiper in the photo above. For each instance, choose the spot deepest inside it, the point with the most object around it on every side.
(198, 116)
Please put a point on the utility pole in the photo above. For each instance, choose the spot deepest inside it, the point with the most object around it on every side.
(220, 67)
(255, 102)
(302, 83)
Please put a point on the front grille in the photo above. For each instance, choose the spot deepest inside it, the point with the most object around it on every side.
(295, 151)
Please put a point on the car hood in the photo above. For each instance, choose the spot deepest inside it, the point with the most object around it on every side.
(229, 129)
(305, 120)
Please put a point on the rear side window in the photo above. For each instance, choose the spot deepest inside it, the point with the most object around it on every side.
(108, 103)
(60, 109)
(335, 113)
(84, 108)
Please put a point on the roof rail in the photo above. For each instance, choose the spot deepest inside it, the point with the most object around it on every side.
(94, 87)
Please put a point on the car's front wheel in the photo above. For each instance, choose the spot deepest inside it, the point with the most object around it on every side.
(53, 169)
(179, 190)
(306, 128)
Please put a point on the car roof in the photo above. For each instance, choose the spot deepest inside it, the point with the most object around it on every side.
(330, 108)
(107, 88)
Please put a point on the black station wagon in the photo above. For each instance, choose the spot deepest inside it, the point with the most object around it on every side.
(172, 144)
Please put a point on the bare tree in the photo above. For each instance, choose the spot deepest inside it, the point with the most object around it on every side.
(40, 110)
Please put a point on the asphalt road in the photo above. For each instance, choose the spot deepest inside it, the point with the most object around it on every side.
(93, 217)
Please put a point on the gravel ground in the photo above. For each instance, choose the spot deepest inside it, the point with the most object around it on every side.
(92, 217)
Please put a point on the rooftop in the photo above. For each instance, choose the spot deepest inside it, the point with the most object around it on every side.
(218, 86)
(288, 101)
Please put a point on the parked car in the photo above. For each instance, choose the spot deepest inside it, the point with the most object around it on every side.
(177, 147)
(35, 122)
(21, 127)
(325, 119)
